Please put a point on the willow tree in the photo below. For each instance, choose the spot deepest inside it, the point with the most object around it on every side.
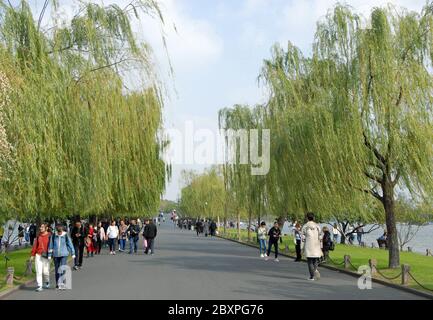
(245, 189)
(203, 195)
(354, 121)
(84, 143)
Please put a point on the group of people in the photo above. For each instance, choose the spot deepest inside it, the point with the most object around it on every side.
(58, 245)
(315, 241)
(206, 227)
(351, 233)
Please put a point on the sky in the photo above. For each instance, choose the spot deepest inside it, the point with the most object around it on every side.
(216, 49)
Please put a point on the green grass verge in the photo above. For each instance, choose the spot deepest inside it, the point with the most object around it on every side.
(17, 260)
(421, 266)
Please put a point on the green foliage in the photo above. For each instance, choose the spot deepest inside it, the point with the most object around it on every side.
(83, 143)
(203, 195)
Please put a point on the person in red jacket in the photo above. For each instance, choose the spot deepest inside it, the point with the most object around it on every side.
(90, 241)
(40, 255)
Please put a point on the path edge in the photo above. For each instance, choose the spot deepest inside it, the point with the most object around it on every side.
(10, 291)
(350, 273)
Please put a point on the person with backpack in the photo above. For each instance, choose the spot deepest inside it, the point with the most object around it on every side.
(327, 244)
(312, 236)
(134, 235)
(149, 233)
(40, 255)
(274, 237)
(78, 235)
(59, 249)
(262, 235)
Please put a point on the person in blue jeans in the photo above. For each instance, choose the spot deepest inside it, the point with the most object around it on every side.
(262, 233)
(133, 236)
(60, 247)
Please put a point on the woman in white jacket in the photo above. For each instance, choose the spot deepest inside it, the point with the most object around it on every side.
(312, 237)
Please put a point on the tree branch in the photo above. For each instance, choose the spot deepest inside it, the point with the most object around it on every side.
(373, 177)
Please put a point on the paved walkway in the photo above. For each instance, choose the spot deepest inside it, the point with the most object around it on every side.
(191, 268)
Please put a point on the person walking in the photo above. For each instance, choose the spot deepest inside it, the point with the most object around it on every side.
(198, 227)
(212, 228)
(2, 230)
(262, 233)
(326, 244)
(26, 233)
(123, 229)
(20, 235)
(78, 235)
(149, 233)
(335, 232)
(100, 238)
(206, 228)
(59, 249)
(274, 236)
(90, 241)
(40, 255)
(312, 236)
(112, 236)
(32, 232)
(359, 234)
(298, 239)
(134, 235)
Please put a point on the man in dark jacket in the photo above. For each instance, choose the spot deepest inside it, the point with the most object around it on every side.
(274, 236)
(133, 235)
(78, 235)
(32, 233)
(212, 228)
(149, 234)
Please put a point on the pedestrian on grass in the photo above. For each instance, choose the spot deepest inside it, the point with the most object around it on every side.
(312, 236)
(20, 235)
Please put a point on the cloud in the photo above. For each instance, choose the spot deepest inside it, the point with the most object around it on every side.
(192, 43)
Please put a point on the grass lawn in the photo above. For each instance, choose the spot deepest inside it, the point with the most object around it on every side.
(421, 266)
(18, 261)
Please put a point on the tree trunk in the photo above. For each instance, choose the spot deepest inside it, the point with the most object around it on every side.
(391, 226)
(249, 224)
(239, 225)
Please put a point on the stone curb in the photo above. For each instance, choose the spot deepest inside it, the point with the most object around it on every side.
(8, 292)
(350, 273)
